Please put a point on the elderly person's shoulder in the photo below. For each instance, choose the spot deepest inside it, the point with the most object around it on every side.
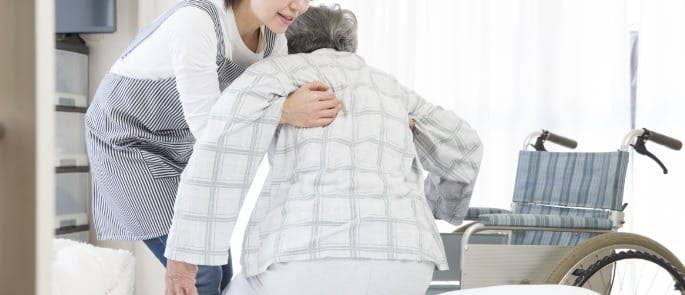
(322, 57)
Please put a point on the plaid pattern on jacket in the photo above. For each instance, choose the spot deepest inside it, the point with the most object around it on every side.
(352, 189)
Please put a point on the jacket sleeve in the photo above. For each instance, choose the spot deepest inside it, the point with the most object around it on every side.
(451, 151)
(223, 165)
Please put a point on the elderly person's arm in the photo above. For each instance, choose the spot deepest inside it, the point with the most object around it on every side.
(224, 162)
(220, 171)
(450, 150)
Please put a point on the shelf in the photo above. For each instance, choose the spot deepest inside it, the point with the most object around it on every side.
(72, 169)
(71, 42)
(71, 109)
(72, 229)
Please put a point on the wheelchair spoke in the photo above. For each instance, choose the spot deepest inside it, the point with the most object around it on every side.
(646, 275)
(656, 271)
(621, 282)
(601, 273)
(667, 289)
(639, 276)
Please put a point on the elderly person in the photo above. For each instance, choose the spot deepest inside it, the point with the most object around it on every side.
(344, 209)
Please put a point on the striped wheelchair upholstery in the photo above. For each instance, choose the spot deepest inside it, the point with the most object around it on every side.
(573, 190)
(587, 180)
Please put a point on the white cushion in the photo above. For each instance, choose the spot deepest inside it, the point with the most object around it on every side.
(80, 268)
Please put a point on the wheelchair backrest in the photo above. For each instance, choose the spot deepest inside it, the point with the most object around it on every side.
(571, 184)
(584, 180)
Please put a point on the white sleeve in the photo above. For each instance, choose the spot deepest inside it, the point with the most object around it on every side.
(193, 50)
(212, 187)
(451, 151)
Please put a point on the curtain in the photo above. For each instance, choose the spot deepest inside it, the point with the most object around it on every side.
(509, 68)
(658, 200)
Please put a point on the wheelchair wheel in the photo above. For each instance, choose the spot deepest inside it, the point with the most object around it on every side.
(621, 263)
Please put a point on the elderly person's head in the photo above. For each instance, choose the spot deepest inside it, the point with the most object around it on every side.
(323, 27)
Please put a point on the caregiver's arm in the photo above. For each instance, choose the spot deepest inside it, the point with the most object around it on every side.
(193, 48)
(450, 150)
(224, 162)
(312, 105)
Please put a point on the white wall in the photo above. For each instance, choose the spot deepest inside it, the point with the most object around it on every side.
(104, 50)
(148, 10)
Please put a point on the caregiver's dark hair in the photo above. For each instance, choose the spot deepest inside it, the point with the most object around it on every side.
(229, 3)
(323, 27)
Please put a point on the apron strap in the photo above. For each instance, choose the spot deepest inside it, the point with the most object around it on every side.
(270, 38)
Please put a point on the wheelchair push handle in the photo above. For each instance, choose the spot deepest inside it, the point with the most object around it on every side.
(661, 139)
(638, 139)
(560, 140)
(543, 136)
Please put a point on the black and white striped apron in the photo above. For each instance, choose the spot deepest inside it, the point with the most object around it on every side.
(139, 142)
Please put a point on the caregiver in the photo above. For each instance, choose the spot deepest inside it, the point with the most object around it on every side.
(154, 102)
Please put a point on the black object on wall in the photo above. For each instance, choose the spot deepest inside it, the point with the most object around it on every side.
(85, 16)
(71, 42)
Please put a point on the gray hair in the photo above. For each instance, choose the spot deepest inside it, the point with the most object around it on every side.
(323, 27)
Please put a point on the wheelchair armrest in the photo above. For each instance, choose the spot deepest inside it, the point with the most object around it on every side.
(474, 213)
(546, 221)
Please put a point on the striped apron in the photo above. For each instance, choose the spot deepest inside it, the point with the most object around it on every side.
(139, 143)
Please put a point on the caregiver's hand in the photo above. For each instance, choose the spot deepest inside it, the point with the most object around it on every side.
(313, 105)
(180, 278)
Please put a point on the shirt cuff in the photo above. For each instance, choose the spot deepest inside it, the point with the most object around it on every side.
(196, 258)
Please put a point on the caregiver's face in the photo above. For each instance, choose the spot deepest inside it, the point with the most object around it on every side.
(277, 15)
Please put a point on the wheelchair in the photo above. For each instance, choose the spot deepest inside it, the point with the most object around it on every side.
(563, 227)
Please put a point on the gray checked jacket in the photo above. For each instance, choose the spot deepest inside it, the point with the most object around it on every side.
(352, 189)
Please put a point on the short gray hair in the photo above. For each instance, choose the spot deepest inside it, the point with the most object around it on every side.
(323, 27)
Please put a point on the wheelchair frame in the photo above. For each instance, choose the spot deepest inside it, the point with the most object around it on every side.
(483, 265)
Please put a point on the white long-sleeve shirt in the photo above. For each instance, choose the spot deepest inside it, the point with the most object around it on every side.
(185, 47)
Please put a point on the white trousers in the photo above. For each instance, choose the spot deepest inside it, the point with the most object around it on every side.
(338, 277)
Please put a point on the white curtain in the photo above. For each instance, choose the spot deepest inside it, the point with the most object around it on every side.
(658, 203)
(509, 68)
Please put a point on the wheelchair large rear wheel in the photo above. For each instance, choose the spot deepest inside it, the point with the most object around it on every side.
(621, 263)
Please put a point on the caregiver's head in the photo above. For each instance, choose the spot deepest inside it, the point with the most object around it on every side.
(277, 15)
(323, 27)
